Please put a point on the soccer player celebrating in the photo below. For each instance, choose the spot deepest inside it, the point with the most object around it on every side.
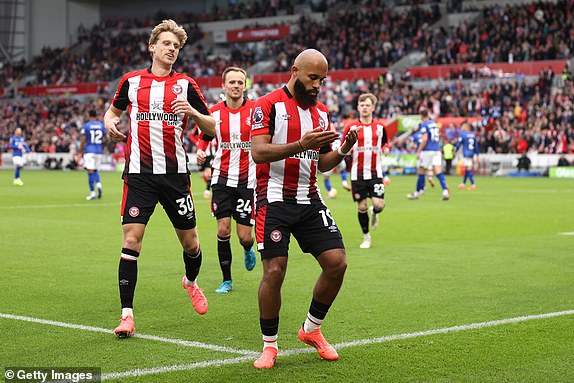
(18, 146)
(366, 165)
(233, 176)
(428, 152)
(470, 151)
(290, 142)
(159, 101)
(92, 146)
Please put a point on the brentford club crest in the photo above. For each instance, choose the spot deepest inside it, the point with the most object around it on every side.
(276, 235)
(176, 88)
(134, 211)
(321, 123)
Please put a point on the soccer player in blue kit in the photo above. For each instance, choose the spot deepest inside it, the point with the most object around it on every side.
(470, 151)
(18, 146)
(92, 143)
(429, 157)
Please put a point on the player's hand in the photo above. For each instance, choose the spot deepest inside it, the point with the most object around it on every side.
(180, 105)
(317, 138)
(114, 132)
(386, 150)
(350, 139)
(200, 156)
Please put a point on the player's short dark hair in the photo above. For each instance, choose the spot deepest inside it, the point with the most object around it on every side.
(92, 113)
(424, 112)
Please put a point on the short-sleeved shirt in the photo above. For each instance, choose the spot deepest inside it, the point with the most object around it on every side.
(94, 132)
(293, 179)
(155, 140)
(367, 152)
(232, 164)
(430, 128)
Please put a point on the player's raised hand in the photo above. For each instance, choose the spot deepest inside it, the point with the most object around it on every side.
(317, 138)
(180, 105)
(350, 139)
(200, 156)
(114, 131)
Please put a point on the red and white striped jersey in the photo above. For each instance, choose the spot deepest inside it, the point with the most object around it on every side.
(367, 152)
(232, 163)
(155, 140)
(292, 179)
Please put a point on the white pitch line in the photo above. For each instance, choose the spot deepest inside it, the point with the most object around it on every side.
(567, 233)
(221, 362)
(179, 342)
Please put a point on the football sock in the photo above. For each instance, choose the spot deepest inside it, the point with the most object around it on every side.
(364, 221)
(420, 182)
(224, 254)
(316, 315)
(96, 177)
(465, 177)
(470, 176)
(17, 172)
(91, 181)
(269, 329)
(344, 175)
(442, 180)
(192, 265)
(128, 276)
(327, 182)
(126, 311)
(377, 210)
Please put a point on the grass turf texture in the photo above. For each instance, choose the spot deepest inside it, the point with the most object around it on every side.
(488, 254)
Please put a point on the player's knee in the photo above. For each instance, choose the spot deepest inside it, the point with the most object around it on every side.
(132, 243)
(223, 231)
(191, 248)
(274, 273)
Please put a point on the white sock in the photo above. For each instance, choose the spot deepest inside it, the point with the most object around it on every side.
(270, 341)
(190, 283)
(99, 185)
(126, 311)
(311, 323)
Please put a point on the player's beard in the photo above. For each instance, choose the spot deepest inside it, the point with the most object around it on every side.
(304, 96)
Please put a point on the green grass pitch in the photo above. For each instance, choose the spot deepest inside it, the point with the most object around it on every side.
(502, 251)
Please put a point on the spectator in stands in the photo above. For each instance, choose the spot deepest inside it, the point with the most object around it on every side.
(523, 164)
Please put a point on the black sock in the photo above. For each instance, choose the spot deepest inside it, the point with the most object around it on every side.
(364, 221)
(127, 277)
(377, 210)
(269, 327)
(318, 310)
(224, 254)
(192, 265)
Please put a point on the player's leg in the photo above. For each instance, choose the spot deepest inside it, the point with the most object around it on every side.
(243, 215)
(437, 169)
(175, 197)
(376, 192)
(91, 184)
(420, 185)
(359, 190)
(272, 224)
(342, 167)
(18, 163)
(269, 299)
(224, 254)
(319, 235)
(470, 172)
(138, 203)
(207, 180)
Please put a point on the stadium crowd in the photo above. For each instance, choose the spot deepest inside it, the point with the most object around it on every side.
(364, 35)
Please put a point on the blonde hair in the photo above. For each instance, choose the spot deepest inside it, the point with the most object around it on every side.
(233, 69)
(368, 96)
(168, 26)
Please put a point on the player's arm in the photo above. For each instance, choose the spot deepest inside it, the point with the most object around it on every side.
(82, 144)
(424, 139)
(201, 146)
(263, 151)
(194, 106)
(385, 144)
(112, 122)
(330, 159)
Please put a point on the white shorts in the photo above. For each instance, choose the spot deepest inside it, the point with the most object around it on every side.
(468, 162)
(92, 161)
(429, 159)
(18, 161)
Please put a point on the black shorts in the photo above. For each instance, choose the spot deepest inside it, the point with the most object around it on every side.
(362, 189)
(312, 226)
(206, 164)
(142, 192)
(237, 202)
